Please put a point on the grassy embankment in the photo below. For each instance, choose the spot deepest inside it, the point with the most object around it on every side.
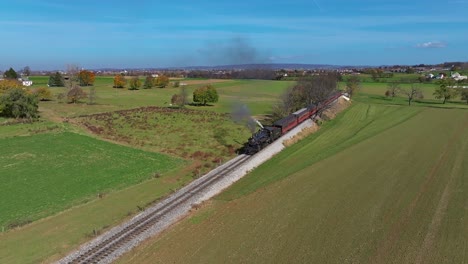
(379, 184)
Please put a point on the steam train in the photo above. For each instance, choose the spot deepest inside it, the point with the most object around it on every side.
(268, 134)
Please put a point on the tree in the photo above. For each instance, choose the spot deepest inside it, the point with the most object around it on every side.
(72, 72)
(86, 78)
(92, 95)
(10, 74)
(56, 80)
(181, 98)
(43, 93)
(464, 94)
(392, 89)
(161, 81)
(148, 82)
(26, 71)
(119, 81)
(18, 103)
(6, 85)
(445, 91)
(176, 99)
(205, 94)
(75, 94)
(412, 93)
(135, 83)
(352, 85)
(311, 90)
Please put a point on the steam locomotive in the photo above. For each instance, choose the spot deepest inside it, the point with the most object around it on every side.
(268, 134)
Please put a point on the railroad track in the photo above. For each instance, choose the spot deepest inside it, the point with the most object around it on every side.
(104, 251)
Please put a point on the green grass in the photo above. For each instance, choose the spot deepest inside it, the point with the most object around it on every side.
(355, 125)
(198, 135)
(392, 191)
(46, 173)
(258, 95)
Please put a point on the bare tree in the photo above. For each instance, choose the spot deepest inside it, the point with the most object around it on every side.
(307, 91)
(92, 95)
(414, 92)
(393, 88)
(72, 71)
(26, 71)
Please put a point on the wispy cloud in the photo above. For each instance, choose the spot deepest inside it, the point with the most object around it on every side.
(431, 44)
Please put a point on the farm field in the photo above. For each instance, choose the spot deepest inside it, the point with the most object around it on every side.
(258, 95)
(380, 184)
(46, 173)
(198, 135)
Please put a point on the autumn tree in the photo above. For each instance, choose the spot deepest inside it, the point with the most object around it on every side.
(75, 94)
(445, 91)
(352, 85)
(56, 80)
(8, 84)
(135, 83)
(119, 81)
(43, 93)
(148, 82)
(414, 92)
(10, 74)
(205, 94)
(17, 103)
(86, 78)
(161, 81)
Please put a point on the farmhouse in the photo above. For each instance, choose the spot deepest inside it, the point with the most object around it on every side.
(25, 81)
(457, 77)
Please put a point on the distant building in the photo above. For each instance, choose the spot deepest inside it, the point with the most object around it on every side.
(25, 81)
(457, 77)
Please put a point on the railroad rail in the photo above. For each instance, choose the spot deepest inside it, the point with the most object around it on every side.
(121, 239)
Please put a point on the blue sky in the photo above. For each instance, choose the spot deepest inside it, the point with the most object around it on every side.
(48, 34)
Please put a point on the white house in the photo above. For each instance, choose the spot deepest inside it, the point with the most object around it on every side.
(25, 81)
(457, 77)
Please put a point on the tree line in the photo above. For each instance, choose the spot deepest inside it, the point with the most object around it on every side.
(447, 90)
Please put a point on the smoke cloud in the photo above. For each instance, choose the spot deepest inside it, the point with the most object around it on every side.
(238, 50)
(241, 115)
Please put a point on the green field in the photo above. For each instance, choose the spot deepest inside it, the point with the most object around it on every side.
(198, 135)
(123, 197)
(379, 184)
(258, 95)
(47, 173)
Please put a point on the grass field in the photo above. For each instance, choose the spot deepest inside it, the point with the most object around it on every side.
(258, 95)
(49, 238)
(46, 173)
(198, 135)
(380, 184)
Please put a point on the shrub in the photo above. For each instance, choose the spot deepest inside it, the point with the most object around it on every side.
(43, 94)
(135, 83)
(75, 94)
(119, 81)
(205, 94)
(18, 103)
(6, 85)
